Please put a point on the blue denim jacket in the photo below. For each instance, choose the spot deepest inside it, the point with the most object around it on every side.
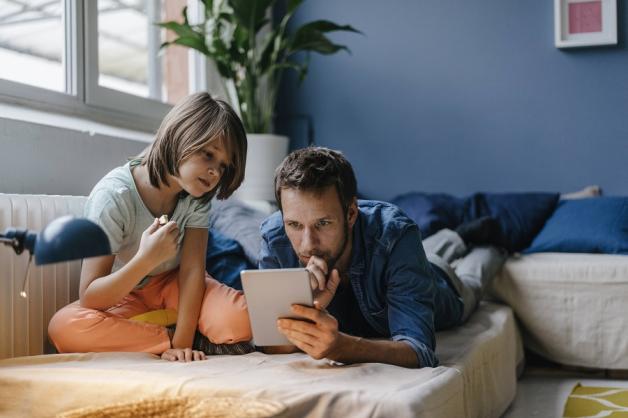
(398, 291)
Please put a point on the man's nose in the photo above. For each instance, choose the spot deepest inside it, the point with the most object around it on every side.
(309, 241)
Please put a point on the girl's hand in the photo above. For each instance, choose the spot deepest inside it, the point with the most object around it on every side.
(183, 354)
(159, 244)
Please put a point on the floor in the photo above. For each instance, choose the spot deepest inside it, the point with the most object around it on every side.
(544, 387)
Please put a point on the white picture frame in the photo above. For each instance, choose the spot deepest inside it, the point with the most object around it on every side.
(582, 23)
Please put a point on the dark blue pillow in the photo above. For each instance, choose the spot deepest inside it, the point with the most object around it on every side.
(431, 211)
(520, 215)
(225, 259)
(595, 225)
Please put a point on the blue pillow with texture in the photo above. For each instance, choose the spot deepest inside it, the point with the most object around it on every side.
(225, 259)
(432, 211)
(520, 215)
(594, 225)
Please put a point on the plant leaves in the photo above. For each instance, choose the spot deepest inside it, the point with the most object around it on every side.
(292, 5)
(194, 43)
(270, 51)
(250, 12)
(180, 29)
(310, 37)
(327, 26)
(209, 4)
(301, 69)
(184, 14)
(313, 40)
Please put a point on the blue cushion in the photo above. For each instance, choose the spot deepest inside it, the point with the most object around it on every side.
(225, 259)
(520, 215)
(432, 211)
(595, 225)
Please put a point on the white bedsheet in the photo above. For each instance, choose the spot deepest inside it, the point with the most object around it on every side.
(573, 308)
(477, 378)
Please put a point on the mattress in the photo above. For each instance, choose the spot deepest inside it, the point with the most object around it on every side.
(476, 378)
(572, 308)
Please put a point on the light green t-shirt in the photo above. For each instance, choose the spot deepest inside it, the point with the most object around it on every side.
(116, 205)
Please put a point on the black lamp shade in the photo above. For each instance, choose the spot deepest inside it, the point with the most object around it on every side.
(69, 238)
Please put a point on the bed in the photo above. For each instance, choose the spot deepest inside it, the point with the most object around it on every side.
(571, 307)
(476, 378)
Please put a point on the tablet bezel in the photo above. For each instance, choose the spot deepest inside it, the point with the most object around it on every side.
(269, 296)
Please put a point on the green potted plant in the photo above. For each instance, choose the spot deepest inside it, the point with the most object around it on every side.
(251, 53)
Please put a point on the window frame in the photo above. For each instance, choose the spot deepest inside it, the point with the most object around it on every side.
(83, 97)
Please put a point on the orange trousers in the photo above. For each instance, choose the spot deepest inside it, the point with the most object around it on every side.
(223, 319)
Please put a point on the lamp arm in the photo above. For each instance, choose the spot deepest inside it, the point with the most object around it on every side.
(17, 238)
(8, 241)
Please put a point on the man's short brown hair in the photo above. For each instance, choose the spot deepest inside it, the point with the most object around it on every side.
(315, 169)
(193, 123)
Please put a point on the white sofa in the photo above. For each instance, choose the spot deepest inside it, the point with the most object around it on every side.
(571, 308)
(476, 378)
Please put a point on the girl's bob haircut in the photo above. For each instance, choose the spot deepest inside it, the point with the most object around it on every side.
(193, 123)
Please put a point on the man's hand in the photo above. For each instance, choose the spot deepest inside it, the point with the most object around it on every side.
(183, 354)
(320, 339)
(324, 286)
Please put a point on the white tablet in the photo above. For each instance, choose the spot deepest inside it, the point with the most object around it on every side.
(269, 296)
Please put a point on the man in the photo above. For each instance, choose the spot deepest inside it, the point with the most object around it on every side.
(379, 299)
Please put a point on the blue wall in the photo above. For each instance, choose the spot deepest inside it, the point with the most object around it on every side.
(459, 96)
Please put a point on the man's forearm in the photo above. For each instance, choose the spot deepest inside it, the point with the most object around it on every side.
(361, 350)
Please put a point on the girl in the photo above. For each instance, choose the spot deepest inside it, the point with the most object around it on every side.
(199, 151)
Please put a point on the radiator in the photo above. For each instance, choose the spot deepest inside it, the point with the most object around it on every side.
(24, 322)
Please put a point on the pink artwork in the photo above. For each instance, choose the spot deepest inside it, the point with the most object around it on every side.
(585, 17)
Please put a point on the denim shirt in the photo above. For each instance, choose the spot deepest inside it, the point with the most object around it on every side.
(396, 288)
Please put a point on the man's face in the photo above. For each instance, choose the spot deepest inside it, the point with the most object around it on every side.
(315, 224)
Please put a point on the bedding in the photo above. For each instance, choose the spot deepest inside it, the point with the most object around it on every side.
(476, 378)
(520, 215)
(240, 221)
(597, 225)
(225, 259)
(571, 307)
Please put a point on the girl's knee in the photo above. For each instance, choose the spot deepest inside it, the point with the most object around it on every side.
(68, 327)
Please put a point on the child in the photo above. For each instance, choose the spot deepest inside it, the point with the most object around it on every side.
(198, 152)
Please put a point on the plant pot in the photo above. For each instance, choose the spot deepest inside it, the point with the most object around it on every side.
(265, 153)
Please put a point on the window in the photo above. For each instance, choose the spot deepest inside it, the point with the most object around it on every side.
(32, 43)
(98, 58)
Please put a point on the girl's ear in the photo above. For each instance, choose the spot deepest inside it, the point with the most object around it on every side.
(352, 212)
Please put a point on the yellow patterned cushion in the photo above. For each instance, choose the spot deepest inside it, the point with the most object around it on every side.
(589, 401)
(182, 407)
(163, 317)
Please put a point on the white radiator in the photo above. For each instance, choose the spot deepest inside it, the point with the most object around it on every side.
(24, 322)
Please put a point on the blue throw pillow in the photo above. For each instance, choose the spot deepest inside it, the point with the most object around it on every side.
(520, 215)
(225, 259)
(432, 211)
(595, 225)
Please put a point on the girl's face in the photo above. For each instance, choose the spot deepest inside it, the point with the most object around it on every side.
(201, 172)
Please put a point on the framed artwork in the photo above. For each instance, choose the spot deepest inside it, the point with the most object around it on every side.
(580, 23)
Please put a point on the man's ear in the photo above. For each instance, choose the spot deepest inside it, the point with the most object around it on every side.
(352, 212)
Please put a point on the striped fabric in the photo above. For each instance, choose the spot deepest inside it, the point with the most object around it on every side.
(202, 343)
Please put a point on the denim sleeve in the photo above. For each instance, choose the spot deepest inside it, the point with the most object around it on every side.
(267, 260)
(410, 296)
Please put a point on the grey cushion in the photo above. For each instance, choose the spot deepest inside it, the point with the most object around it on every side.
(239, 221)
